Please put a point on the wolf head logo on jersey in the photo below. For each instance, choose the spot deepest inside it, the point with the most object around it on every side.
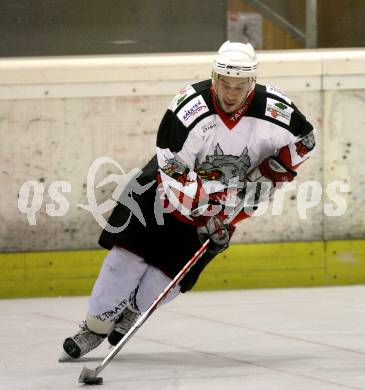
(222, 167)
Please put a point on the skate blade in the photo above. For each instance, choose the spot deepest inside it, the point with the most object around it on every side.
(65, 357)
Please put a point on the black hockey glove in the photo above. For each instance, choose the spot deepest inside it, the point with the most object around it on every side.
(218, 232)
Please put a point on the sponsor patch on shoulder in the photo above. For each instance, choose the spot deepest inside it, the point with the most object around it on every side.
(192, 110)
(278, 110)
(278, 92)
(181, 97)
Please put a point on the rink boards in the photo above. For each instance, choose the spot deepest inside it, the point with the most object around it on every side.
(59, 115)
(263, 265)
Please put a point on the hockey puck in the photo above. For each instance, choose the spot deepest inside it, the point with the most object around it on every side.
(98, 380)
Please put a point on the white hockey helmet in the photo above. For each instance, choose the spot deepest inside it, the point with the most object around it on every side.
(235, 59)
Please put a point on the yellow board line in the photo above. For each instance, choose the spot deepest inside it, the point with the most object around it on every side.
(263, 265)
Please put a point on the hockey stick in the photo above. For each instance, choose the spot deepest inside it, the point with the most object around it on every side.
(89, 376)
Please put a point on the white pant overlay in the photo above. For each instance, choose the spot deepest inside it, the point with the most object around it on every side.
(124, 278)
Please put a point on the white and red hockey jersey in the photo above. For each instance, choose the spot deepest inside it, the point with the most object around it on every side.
(201, 150)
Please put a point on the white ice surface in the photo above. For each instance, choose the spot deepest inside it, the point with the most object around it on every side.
(282, 339)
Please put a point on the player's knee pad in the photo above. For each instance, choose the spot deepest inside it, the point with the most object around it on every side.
(150, 286)
(98, 326)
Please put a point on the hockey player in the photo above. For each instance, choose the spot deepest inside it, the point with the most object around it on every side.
(216, 135)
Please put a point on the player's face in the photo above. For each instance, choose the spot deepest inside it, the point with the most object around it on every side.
(232, 92)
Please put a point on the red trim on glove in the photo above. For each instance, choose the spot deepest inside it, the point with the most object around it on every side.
(286, 157)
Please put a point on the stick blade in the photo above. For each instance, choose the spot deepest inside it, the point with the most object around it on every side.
(89, 377)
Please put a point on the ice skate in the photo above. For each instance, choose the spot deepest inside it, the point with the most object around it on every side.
(81, 343)
(127, 319)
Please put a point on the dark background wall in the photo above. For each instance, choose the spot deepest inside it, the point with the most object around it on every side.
(69, 27)
(341, 23)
